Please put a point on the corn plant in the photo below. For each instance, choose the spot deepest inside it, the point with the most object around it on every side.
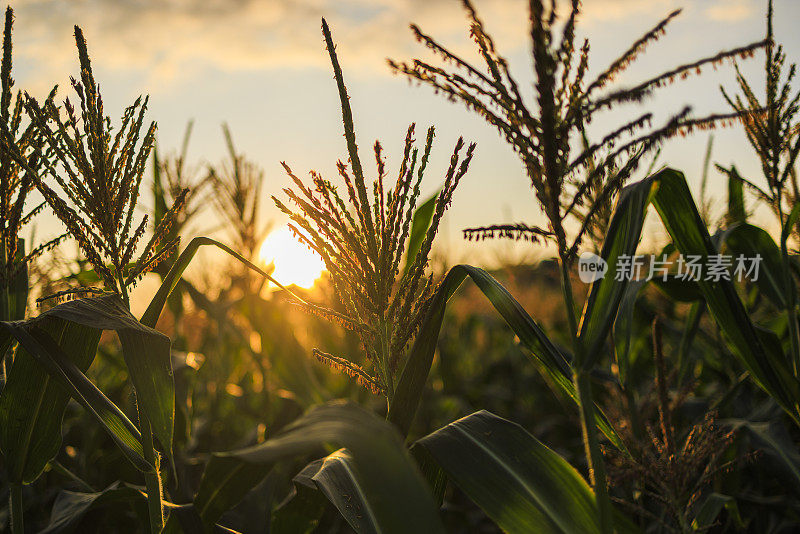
(774, 136)
(566, 101)
(237, 184)
(363, 243)
(376, 237)
(15, 185)
(101, 175)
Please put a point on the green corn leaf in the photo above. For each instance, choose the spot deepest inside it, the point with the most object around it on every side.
(789, 225)
(32, 404)
(709, 511)
(337, 478)
(775, 441)
(147, 357)
(605, 295)
(300, 512)
(748, 241)
(415, 373)
(18, 287)
(678, 289)
(766, 362)
(400, 499)
(518, 481)
(70, 507)
(623, 328)
(669, 193)
(693, 318)
(423, 216)
(153, 311)
(59, 363)
(437, 479)
(226, 480)
(737, 212)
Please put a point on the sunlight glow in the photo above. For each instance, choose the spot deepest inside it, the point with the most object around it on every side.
(294, 263)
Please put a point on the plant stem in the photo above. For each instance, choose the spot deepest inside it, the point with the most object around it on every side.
(583, 388)
(15, 505)
(152, 480)
(569, 300)
(794, 334)
(594, 457)
(5, 310)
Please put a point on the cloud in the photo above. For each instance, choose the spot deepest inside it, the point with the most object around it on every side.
(159, 42)
(731, 10)
(615, 10)
(172, 39)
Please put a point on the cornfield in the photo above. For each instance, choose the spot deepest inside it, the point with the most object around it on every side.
(612, 387)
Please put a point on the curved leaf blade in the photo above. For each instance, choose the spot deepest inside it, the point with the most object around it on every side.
(338, 479)
(300, 512)
(415, 373)
(33, 403)
(401, 500)
(38, 343)
(518, 481)
(147, 356)
(748, 241)
(605, 294)
(70, 507)
(767, 364)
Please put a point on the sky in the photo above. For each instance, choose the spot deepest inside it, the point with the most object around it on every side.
(262, 67)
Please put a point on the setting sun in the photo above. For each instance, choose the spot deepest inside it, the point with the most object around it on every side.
(294, 263)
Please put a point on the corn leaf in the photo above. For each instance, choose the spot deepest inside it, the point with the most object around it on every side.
(300, 512)
(709, 511)
(337, 478)
(147, 357)
(70, 507)
(32, 404)
(18, 287)
(678, 289)
(605, 294)
(737, 211)
(757, 351)
(153, 311)
(748, 241)
(60, 363)
(418, 364)
(518, 481)
(775, 441)
(623, 328)
(423, 216)
(400, 500)
(226, 480)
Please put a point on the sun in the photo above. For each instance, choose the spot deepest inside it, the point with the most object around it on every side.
(294, 263)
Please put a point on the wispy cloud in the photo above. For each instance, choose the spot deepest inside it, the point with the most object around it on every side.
(733, 10)
(160, 42)
(172, 39)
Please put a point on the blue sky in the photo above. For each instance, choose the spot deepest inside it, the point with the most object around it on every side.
(261, 66)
